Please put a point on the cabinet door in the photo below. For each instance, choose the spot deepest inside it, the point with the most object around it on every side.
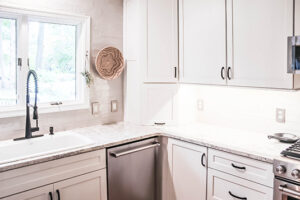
(188, 173)
(158, 102)
(91, 186)
(202, 26)
(257, 42)
(41, 193)
(222, 186)
(162, 34)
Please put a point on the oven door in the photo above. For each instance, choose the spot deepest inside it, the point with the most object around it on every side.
(284, 190)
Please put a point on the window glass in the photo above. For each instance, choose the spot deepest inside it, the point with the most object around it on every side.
(8, 83)
(52, 53)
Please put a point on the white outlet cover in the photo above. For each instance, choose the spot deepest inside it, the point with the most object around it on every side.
(95, 108)
(200, 105)
(114, 106)
(280, 115)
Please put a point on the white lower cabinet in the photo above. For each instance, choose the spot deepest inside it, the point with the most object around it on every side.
(222, 186)
(72, 178)
(90, 186)
(188, 170)
(41, 193)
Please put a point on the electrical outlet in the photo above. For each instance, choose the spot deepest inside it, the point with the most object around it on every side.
(200, 105)
(114, 106)
(280, 115)
(95, 108)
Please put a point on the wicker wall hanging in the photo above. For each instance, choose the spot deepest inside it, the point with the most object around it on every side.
(109, 63)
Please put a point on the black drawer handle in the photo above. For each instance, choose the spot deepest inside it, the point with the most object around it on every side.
(202, 159)
(50, 195)
(238, 167)
(58, 194)
(237, 197)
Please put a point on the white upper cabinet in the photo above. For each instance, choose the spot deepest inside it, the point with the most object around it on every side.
(257, 43)
(202, 30)
(297, 17)
(162, 41)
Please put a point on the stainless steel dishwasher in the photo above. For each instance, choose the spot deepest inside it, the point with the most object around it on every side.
(132, 171)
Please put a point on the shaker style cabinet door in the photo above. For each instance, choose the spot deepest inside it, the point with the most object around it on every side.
(202, 42)
(188, 170)
(162, 41)
(91, 186)
(41, 193)
(159, 103)
(222, 186)
(257, 42)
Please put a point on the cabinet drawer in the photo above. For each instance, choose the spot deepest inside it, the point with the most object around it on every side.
(222, 186)
(253, 170)
(26, 178)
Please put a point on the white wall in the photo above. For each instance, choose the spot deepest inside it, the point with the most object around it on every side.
(106, 29)
(245, 108)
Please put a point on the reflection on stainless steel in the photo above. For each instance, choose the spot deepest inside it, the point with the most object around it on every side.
(132, 171)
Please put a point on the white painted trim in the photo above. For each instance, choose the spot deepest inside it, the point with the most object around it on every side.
(23, 15)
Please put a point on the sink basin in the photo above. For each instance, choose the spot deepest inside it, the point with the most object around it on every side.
(11, 151)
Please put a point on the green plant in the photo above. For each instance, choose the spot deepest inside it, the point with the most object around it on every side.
(88, 78)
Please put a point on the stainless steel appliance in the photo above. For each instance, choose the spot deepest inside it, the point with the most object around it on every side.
(132, 171)
(294, 54)
(287, 174)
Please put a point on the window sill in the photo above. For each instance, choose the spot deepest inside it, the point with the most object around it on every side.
(18, 111)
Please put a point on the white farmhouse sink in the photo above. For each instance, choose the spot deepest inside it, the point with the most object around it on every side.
(11, 151)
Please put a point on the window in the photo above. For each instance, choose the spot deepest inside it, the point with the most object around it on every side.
(56, 46)
(8, 82)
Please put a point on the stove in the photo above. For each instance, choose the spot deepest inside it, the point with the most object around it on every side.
(287, 174)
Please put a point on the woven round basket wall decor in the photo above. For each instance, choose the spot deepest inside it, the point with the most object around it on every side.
(109, 63)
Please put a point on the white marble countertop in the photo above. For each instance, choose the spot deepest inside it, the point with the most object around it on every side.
(250, 144)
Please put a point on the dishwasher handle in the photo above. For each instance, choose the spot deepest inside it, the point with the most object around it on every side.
(123, 153)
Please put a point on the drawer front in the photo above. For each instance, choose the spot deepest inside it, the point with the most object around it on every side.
(26, 178)
(222, 186)
(253, 170)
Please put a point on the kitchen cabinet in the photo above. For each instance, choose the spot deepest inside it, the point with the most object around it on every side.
(222, 186)
(257, 43)
(202, 28)
(162, 41)
(90, 186)
(42, 193)
(159, 102)
(188, 170)
(76, 177)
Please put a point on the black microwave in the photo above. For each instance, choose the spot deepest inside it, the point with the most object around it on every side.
(294, 54)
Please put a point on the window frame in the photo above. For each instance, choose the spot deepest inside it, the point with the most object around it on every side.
(23, 16)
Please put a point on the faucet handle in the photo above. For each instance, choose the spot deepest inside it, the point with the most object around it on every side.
(35, 113)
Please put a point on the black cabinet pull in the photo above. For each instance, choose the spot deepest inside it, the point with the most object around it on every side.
(228, 73)
(237, 197)
(58, 194)
(238, 167)
(50, 195)
(159, 123)
(222, 73)
(175, 72)
(202, 159)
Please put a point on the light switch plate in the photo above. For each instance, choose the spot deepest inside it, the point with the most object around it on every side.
(280, 115)
(114, 106)
(95, 108)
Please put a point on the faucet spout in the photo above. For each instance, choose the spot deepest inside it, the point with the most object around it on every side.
(28, 128)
